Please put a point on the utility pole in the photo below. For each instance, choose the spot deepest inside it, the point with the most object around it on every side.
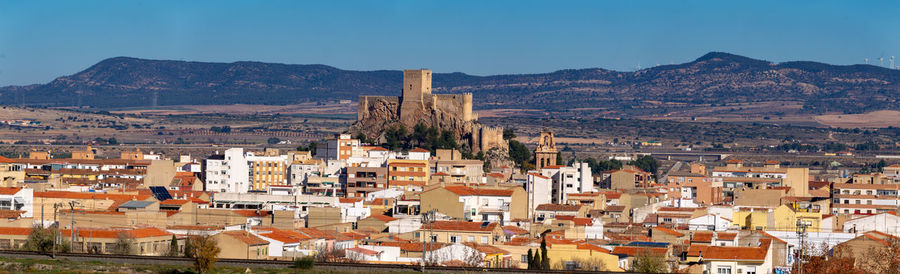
(72, 228)
(56, 207)
(801, 233)
(427, 219)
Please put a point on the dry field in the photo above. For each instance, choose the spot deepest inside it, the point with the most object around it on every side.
(305, 108)
(875, 119)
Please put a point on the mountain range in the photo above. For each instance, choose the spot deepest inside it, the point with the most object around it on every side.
(715, 79)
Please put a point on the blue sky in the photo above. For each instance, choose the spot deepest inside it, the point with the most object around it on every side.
(41, 40)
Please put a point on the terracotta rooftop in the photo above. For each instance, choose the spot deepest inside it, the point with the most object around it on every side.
(731, 252)
(462, 226)
(514, 230)
(634, 251)
(136, 233)
(557, 207)
(9, 190)
(468, 191)
(245, 237)
(702, 237)
(363, 251)
(383, 218)
(576, 221)
(668, 231)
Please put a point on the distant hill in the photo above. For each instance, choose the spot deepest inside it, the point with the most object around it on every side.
(713, 79)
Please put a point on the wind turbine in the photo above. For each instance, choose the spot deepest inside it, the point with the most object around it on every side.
(892, 62)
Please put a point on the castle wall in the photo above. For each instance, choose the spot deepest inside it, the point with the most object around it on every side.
(487, 138)
(367, 104)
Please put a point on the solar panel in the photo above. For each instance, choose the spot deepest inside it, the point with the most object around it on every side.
(161, 193)
(485, 224)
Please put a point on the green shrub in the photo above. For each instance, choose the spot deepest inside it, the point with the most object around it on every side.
(305, 262)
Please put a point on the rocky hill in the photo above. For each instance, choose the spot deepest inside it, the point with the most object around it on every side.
(711, 80)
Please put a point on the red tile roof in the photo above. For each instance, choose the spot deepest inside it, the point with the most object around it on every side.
(468, 191)
(668, 231)
(136, 233)
(89, 196)
(363, 251)
(419, 150)
(9, 190)
(726, 236)
(11, 214)
(461, 226)
(245, 237)
(383, 218)
(731, 252)
(557, 207)
(634, 251)
(702, 237)
(285, 236)
(514, 230)
(15, 231)
(6, 160)
(576, 221)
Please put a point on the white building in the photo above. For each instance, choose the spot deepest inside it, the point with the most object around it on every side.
(888, 222)
(539, 191)
(228, 173)
(569, 179)
(19, 199)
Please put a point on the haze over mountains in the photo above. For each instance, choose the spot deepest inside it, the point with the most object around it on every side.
(714, 79)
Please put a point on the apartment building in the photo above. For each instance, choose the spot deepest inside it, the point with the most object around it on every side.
(363, 180)
(865, 198)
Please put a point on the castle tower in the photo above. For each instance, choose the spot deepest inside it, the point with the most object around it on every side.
(416, 85)
(467, 107)
(545, 153)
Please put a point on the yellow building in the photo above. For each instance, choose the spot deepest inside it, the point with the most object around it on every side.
(266, 171)
(403, 174)
(451, 232)
(787, 217)
(753, 218)
(563, 253)
(239, 244)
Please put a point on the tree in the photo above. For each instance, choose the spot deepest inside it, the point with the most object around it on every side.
(124, 244)
(646, 163)
(395, 136)
(559, 159)
(519, 153)
(530, 259)
(536, 264)
(508, 134)
(204, 251)
(545, 262)
(647, 262)
(40, 239)
(306, 262)
(173, 247)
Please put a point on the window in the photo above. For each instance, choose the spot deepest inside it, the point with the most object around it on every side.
(750, 270)
(472, 239)
(524, 259)
(723, 270)
(484, 239)
(453, 239)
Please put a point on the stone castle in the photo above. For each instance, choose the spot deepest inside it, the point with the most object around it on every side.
(418, 105)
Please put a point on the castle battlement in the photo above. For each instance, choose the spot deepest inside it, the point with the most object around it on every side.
(418, 105)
